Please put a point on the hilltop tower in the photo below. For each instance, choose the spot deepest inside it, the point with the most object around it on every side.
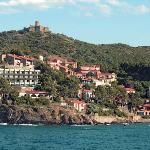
(37, 23)
(36, 28)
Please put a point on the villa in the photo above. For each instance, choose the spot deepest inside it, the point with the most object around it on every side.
(77, 104)
(62, 63)
(145, 111)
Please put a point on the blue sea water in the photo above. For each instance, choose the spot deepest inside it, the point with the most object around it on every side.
(113, 137)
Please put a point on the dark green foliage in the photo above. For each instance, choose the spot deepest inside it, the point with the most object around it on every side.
(57, 83)
(26, 100)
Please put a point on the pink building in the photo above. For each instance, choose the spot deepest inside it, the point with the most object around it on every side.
(62, 63)
(89, 68)
(77, 104)
(145, 111)
(17, 61)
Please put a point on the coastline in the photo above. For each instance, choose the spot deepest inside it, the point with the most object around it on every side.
(56, 115)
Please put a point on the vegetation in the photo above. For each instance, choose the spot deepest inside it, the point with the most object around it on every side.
(57, 83)
(26, 100)
(131, 64)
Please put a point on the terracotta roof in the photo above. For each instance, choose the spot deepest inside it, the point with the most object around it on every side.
(14, 56)
(129, 89)
(26, 58)
(20, 57)
(35, 92)
(146, 105)
(88, 65)
(76, 101)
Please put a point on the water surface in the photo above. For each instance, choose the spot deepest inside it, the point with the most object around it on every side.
(114, 137)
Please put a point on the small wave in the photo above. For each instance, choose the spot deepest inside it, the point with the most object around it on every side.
(25, 124)
(3, 124)
(76, 125)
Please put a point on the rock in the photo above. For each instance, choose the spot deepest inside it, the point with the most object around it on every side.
(41, 115)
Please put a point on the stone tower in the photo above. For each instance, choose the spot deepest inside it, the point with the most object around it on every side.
(37, 23)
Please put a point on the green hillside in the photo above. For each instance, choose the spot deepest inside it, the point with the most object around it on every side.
(132, 64)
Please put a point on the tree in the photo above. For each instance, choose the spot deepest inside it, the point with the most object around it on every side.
(5, 89)
(47, 84)
(100, 93)
(90, 74)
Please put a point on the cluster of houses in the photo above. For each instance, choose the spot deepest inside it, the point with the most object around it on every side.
(20, 71)
(88, 74)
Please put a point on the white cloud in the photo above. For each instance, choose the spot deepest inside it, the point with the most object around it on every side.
(106, 7)
(142, 9)
(114, 2)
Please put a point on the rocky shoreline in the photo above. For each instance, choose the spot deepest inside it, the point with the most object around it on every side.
(55, 114)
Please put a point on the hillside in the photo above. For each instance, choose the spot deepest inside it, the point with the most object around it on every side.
(130, 63)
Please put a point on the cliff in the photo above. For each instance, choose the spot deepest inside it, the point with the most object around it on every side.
(53, 115)
(41, 115)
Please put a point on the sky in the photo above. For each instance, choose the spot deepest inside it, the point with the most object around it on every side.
(93, 21)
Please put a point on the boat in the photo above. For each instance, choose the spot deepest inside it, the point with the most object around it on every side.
(125, 124)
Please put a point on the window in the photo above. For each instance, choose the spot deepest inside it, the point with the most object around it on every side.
(33, 95)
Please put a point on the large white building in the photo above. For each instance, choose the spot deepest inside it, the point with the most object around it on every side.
(20, 77)
(19, 70)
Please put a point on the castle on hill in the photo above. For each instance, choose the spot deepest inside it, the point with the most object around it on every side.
(36, 28)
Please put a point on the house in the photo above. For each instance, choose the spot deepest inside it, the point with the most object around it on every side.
(17, 61)
(97, 77)
(36, 28)
(145, 111)
(101, 82)
(130, 90)
(34, 94)
(55, 60)
(89, 68)
(19, 70)
(61, 63)
(77, 104)
(87, 94)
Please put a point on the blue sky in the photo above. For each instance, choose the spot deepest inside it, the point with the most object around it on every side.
(94, 21)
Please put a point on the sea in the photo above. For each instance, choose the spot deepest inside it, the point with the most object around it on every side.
(86, 137)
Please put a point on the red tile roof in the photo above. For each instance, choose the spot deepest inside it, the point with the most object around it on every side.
(20, 57)
(130, 89)
(35, 92)
(146, 105)
(14, 56)
(76, 101)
